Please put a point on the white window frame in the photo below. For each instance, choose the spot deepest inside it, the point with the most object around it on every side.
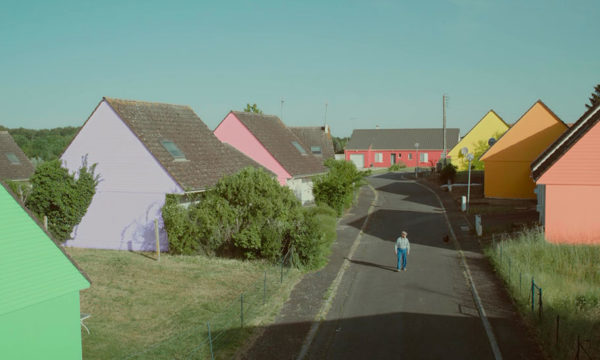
(423, 157)
(378, 157)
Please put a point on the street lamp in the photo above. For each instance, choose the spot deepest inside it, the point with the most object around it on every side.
(417, 159)
(470, 157)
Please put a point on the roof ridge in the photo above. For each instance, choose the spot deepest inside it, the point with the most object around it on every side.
(109, 99)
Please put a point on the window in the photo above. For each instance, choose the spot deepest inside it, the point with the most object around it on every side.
(315, 149)
(299, 147)
(13, 159)
(424, 157)
(409, 156)
(173, 149)
(378, 157)
(399, 155)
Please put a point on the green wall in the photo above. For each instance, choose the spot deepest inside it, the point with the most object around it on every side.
(48, 330)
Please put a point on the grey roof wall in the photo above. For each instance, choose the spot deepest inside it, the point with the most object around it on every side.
(277, 139)
(8, 170)
(402, 139)
(207, 158)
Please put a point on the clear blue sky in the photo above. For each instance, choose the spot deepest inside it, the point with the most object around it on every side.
(384, 63)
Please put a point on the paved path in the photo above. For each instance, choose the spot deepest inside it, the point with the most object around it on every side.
(426, 312)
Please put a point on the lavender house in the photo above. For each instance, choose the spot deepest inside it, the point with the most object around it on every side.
(143, 151)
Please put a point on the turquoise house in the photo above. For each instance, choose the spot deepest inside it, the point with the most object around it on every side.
(39, 287)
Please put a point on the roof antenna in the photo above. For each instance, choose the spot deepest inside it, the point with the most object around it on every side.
(325, 121)
(281, 117)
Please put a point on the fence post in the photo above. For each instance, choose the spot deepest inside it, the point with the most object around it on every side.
(557, 325)
(532, 295)
(242, 309)
(265, 288)
(212, 355)
(578, 345)
(45, 223)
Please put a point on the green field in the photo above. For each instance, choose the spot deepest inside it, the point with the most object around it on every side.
(145, 309)
(569, 277)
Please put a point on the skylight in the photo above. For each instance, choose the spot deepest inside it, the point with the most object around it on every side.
(315, 149)
(173, 149)
(299, 147)
(13, 159)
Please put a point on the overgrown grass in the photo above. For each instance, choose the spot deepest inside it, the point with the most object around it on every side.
(569, 276)
(144, 309)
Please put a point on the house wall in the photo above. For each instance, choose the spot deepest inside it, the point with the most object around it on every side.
(131, 191)
(233, 132)
(46, 330)
(573, 193)
(572, 214)
(302, 188)
(508, 180)
(401, 156)
(483, 131)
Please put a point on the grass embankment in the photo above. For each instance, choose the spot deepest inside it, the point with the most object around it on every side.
(145, 309)
(569, 276)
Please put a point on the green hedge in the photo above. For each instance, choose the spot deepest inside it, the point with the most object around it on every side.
(336, 188)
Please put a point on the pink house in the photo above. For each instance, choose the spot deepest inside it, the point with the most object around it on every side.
(266, 140)
(384, 147)
(143, 151)
(567, 175)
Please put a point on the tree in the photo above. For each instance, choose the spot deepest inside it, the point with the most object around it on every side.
(62, 197)
(339, 143)
(253, 109)
(595, 98)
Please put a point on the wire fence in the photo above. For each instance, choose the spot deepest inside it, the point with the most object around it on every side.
(565, 342)
(220, 335)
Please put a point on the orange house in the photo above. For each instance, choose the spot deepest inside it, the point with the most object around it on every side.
(507, 163)
(568, 179)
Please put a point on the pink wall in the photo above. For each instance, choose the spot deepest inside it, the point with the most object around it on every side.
(573, 193)
(572, 214)
(233, 132)
(131, 191)
(401, 155)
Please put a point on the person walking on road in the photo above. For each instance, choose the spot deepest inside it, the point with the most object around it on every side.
(402, 249)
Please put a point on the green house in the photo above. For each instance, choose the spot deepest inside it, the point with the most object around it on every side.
(39, 290)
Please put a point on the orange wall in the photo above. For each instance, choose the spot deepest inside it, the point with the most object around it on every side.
(507, 163)
(508, 180)
(572, 214)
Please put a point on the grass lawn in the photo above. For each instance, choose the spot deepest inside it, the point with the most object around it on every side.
(145, 309)
(570, 280)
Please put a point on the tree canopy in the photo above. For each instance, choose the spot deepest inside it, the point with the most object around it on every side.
(595, 98)
(253, 109)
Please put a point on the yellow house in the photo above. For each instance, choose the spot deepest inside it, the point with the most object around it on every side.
(507, 162)
(491, 125)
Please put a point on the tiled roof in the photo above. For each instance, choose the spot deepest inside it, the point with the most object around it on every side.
(33, 268)
(206, 158)
(312, 136)
(564, 142)
(400, 139)
(14, 164)
(278, 140)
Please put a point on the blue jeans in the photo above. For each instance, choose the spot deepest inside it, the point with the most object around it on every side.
(402, 258)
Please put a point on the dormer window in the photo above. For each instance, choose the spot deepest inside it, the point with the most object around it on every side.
(299, 147)
(173, 149)
(13, 158)
(316, 150)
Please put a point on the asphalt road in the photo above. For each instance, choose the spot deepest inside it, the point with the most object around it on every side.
(426, 312)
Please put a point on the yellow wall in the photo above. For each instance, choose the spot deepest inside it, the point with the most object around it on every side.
(490, 125)
(507, 163)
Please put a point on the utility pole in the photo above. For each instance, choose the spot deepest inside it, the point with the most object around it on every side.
(444, 127)
(325, 121)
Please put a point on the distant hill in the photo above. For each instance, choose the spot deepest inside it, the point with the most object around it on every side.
(46, 144)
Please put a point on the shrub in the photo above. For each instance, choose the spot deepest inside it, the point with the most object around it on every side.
(58, 195)
(397, 166)
(336, 188)
(313, 236)
(448, 172)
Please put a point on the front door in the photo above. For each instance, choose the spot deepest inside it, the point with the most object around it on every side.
(393, 158)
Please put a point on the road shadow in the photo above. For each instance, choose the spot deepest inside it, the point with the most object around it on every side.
(366, 263)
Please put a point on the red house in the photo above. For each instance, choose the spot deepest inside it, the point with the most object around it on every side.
(384, 147)
(567, 175)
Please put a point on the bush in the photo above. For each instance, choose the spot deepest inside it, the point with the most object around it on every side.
(250, 215)
(448, 172)
(336, 188)
(58, 195)
(397, 166)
